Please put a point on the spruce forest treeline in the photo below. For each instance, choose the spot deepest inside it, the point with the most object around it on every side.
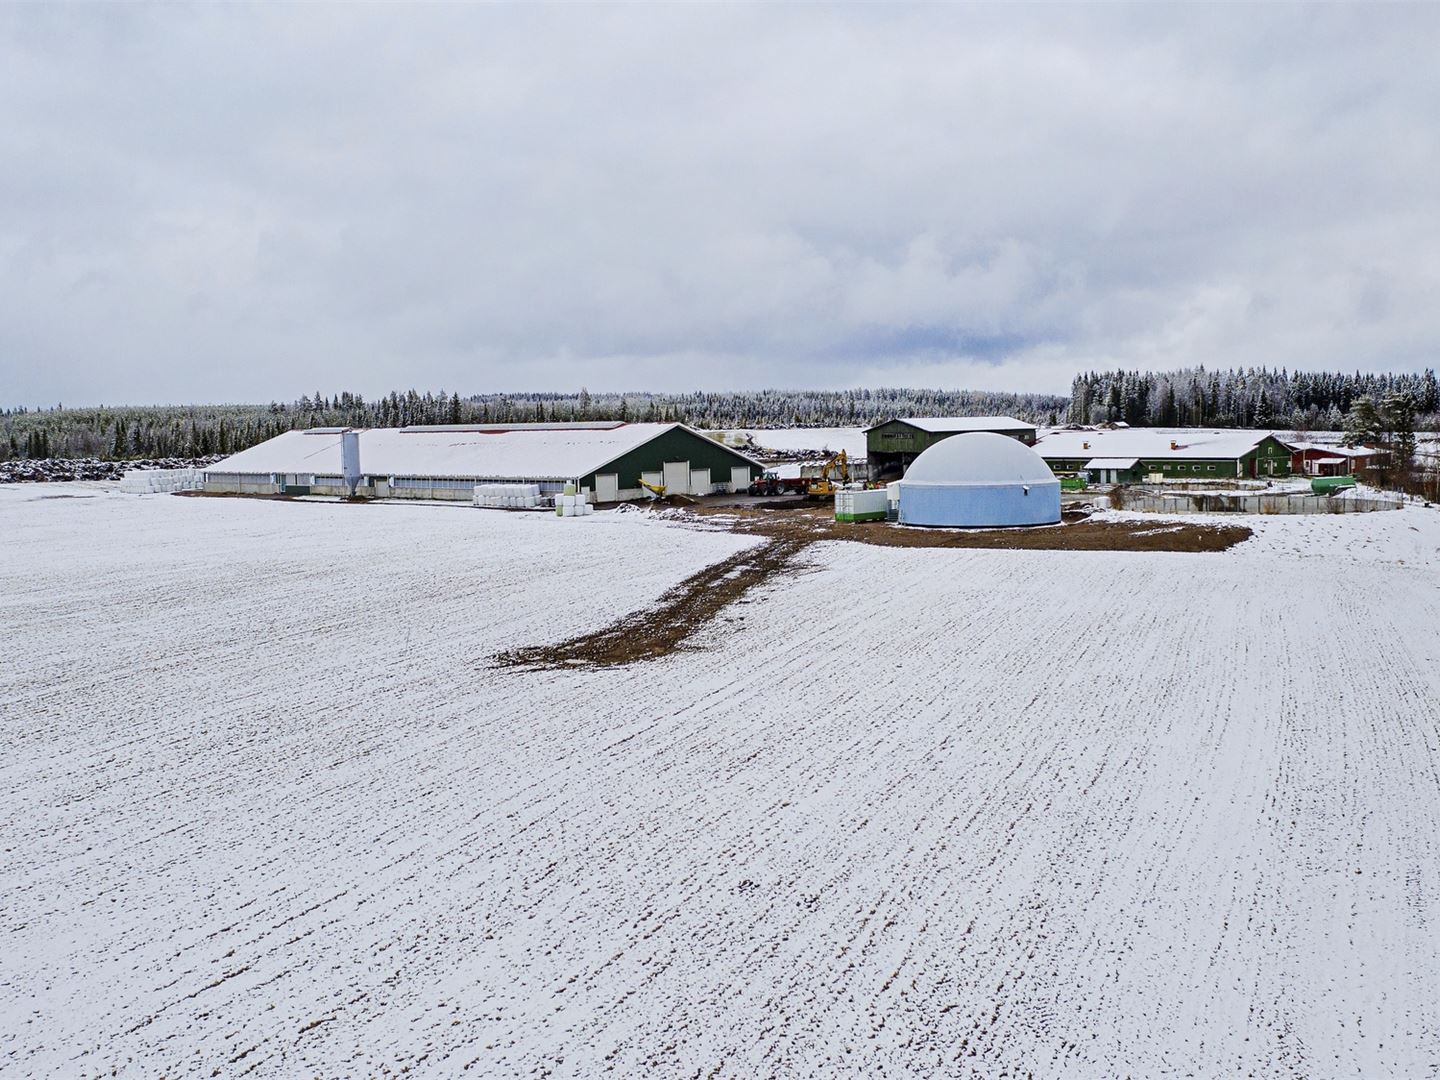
(1300, 401)
(1250, 398)
(196, 431)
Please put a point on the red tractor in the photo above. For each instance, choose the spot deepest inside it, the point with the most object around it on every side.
(768, 484)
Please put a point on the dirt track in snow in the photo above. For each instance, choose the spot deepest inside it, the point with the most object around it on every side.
(674, 621)
(919, 812)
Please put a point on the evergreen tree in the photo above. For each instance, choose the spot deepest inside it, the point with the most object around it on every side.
(1362, 423)
(1399, 410)
(1263, 416)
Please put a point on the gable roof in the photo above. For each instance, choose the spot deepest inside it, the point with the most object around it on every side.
(1190, 443)
(1332, 448)
(1111, 463)
(937, 425)
(482, 452)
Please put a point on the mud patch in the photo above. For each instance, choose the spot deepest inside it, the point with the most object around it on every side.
(675, 619)
(1076, 532)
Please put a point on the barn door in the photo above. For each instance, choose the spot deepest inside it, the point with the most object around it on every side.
(677, 477)
(607, 488)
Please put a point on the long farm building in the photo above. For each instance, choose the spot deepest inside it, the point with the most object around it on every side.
(1137, 455)
(606, 461)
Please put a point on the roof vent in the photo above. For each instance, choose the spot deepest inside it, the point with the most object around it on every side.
(1174, 445)
(1084, 446)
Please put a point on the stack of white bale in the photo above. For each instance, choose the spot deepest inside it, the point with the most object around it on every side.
(572, 506)
(159, 481)
(507, 496)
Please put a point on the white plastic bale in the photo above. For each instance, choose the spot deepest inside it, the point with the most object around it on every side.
(158, 481)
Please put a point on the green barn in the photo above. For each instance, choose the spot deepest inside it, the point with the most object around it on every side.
(892, 445)
(1136, 455)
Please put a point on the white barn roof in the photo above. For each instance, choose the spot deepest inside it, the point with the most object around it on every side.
(941, 424)
(484, 452)
(1332, 448)
(1112, 463)
(1150, 443)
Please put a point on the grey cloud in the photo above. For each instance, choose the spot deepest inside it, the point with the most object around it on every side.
(248, 202)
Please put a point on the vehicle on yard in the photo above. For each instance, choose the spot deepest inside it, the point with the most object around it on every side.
(836, 469)
(769, 483)
(772, 483)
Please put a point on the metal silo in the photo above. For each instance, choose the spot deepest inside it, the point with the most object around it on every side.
(350, 460)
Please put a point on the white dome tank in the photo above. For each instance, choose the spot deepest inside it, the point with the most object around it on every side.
(979, 479)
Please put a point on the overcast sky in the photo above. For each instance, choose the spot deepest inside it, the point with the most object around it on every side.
(203, 203)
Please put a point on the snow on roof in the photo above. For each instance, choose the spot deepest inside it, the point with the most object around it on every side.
(979, 457)
(1334, 448)
(558, 425)
(1150, 443)
(940, 424)
(1112, 463)
(1331, 461)
(540, 452)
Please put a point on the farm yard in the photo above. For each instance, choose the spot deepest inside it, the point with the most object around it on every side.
(274, 806)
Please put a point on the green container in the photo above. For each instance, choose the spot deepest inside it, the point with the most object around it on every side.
(1323, 485)
(1072, 483)
(850, 519)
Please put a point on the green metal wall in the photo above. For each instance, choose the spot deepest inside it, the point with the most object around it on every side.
(898, 437)
(677, 444)
(1272, 457)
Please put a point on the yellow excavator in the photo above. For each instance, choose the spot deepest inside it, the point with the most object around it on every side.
(837, 468)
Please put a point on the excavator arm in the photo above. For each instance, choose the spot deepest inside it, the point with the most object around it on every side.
(837, 467)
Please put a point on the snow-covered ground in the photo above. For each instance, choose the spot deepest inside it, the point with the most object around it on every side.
(925, 812)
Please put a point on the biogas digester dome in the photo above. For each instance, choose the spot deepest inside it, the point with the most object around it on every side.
(979, 479)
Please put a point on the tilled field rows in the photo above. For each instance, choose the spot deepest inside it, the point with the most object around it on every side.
(914, 811)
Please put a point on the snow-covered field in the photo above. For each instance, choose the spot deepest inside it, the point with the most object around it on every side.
(851, 440)
(923, 812)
